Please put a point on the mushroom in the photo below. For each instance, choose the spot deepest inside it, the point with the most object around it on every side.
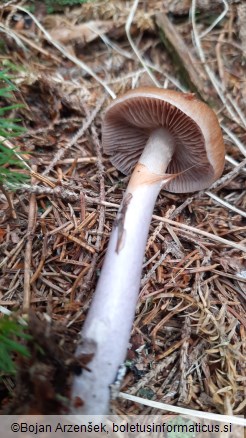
(171, 140)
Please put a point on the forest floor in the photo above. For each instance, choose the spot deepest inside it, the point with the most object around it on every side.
(188, 342)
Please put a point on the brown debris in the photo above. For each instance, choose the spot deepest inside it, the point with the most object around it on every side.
(188, 340)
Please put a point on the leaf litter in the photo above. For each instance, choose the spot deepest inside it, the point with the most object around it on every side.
(188, 341)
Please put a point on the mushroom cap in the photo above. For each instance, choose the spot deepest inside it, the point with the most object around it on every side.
(199, 148)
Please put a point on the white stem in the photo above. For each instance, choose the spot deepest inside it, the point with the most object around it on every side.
(107, 328)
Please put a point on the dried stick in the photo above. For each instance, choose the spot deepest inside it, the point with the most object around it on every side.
(184, 359)
(226, 204)
(133, 46)
(9, 200)
(229, 103)
(180, 410)
(28, 252)
(153, 269)
(15, 250)
(225, 179)
(234, 139)
(191, 72)
(101, 214)
(238, 246)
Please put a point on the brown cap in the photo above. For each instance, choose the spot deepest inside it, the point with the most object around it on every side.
(199, 146)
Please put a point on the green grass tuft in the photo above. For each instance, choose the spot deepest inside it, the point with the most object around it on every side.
(12, 333)
(9, 128)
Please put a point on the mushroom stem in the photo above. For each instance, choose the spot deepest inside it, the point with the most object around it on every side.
(107, 328)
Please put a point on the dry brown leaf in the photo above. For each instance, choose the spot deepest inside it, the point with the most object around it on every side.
(82, 33)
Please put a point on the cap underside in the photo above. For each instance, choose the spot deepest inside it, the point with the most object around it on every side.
(127, 127)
